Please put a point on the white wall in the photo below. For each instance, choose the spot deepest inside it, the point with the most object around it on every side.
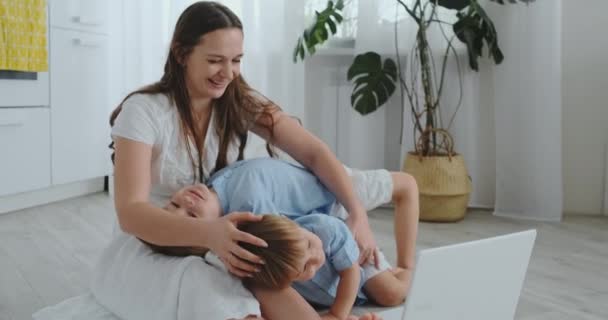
(116, 87)
(585, 103)
(364, 142)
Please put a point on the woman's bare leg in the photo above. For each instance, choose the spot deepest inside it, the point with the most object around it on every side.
(407, 211)
(284, 304)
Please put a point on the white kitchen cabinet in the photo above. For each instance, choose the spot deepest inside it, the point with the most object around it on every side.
(79, 106)
(26, 154)
(87, 15)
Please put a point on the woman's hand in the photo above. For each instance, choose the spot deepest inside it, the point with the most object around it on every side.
(224, 237)
(359, 226)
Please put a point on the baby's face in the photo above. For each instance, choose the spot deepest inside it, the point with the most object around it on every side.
(313, 258)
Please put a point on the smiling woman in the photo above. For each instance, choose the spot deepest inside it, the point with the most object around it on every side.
(176, 132)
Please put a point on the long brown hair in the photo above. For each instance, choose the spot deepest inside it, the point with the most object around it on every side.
(234, 111)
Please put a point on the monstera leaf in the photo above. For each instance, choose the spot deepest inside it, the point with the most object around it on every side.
(317, 33)
(511, 1)
(474, 28)
(453, 4)
(374, 82)
(461, 4)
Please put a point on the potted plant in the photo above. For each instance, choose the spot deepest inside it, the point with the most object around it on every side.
(440, 172)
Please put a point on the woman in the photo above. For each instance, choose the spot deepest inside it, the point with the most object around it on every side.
(175, 132)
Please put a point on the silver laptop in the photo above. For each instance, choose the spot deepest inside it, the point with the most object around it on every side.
(477, 280)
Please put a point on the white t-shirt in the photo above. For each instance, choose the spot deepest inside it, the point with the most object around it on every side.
(154, 120)
(126, 280)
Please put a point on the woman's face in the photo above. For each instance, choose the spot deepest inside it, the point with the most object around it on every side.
(214, 63)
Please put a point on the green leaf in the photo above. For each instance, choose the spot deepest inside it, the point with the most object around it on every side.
(332, 26)
(340, 5)
(512, 1)
(318, 33)
(374, 82)
(337, 16)
(467, 31)
(474, 28)
(296, 50)
(453, 4)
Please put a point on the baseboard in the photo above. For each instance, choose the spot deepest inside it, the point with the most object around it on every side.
(605, 201)
(56, 193)
(483, 207)
(512, 215)
(579, 213)
(391, 206)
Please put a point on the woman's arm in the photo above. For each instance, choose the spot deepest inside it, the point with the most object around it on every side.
(284, 304)
(138, 217)
(311, 152)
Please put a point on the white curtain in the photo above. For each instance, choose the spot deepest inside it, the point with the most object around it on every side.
(271, 28)
(528, 112)
(508, 126)
(144, 40)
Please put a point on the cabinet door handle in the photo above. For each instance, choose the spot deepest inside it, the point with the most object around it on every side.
(85, 21)
(11, 124)
(84, 43)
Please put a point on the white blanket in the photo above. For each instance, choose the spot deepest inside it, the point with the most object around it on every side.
(136, 284)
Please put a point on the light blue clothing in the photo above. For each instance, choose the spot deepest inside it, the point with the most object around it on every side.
(341, 252)
(267, 185)
(271, 186)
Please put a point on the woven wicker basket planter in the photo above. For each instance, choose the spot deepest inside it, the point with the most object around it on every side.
(444, 186)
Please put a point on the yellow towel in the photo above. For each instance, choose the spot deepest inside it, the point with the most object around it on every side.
(23, 35)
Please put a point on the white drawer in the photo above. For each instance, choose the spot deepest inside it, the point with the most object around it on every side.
(83, 15)
(26, 156)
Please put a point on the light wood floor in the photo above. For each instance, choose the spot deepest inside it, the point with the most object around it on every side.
(47, 252)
